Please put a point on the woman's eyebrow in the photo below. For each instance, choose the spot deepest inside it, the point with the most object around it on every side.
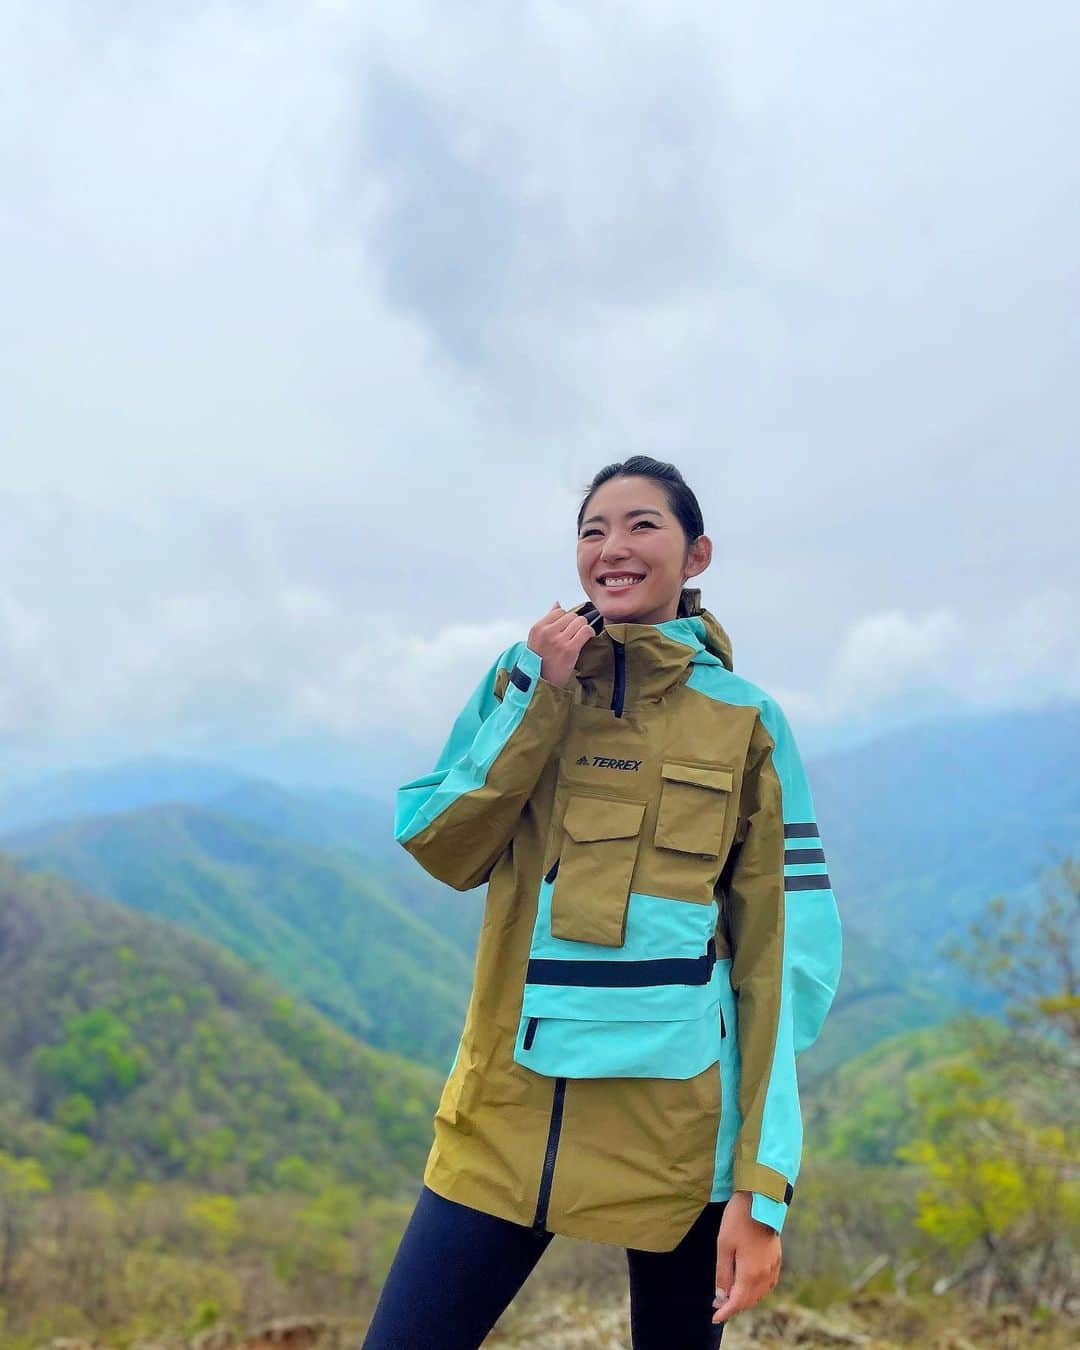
(634, 511)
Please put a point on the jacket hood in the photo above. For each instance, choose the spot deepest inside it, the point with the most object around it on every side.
(656, 655)
(715, 636)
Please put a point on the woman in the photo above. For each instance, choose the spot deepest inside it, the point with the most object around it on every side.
(659, 942)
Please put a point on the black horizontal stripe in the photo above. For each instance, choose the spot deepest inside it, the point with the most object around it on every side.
(624, 974)
(803, 855)
(816, 881)
(804, 829)
(518, 677)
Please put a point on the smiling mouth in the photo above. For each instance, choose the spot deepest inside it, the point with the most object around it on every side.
(619, 583)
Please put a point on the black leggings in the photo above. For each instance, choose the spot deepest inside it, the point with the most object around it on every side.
(456, 1270)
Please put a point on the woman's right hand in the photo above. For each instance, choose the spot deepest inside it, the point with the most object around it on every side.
(556, 639)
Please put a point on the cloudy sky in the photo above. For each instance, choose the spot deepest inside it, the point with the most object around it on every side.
(317, 317)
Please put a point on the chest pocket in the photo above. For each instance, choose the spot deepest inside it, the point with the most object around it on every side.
(691, 825)
(596, 862)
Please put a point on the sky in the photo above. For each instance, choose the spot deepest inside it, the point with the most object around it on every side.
(318, 318)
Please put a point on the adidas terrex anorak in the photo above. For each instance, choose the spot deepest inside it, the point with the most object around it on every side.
(659, 942)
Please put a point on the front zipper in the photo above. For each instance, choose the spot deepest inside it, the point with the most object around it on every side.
(540, 1217)
(618, 688)
(618, 697)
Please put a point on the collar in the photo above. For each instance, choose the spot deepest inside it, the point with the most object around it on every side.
(658, 656)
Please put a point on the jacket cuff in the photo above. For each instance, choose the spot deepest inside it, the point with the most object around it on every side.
(766, 1210)
(524, 673)
(770, 1190)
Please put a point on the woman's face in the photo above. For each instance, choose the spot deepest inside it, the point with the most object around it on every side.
(628, 531)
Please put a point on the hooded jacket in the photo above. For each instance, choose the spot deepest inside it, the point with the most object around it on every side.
(660, 938)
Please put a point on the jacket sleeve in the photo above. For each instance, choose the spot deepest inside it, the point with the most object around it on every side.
(457, 819)
(786, 958)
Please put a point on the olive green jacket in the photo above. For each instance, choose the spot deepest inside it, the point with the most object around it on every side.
(660, 938)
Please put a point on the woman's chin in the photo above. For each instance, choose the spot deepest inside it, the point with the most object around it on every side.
(619, 613)
(618, 608)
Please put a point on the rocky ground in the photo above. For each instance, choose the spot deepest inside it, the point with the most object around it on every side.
(873, 1323)
(568, 1321)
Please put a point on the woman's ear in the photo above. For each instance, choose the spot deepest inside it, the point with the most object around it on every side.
(699, 556)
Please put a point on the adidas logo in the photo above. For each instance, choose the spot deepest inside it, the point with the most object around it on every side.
(602, 762)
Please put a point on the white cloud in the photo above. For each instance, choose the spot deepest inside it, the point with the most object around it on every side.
(883, 655)
(317, 317)
(894, 663)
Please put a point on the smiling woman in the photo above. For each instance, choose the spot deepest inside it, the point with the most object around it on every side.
(642, 540)
(660, 942)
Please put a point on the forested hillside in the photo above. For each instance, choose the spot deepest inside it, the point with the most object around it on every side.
(317, 920)
(130, 1049)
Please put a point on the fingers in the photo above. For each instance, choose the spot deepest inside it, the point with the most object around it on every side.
(579, 636)
(725, 1277)
(740, 1287)
(557, 620)
(572, 629)
(736, 1300)
(743, 1292)
(725, 1268)
(590, 615)
(589, 622)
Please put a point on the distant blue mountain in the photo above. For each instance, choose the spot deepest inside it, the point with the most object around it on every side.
(922, 827)
(97, 790)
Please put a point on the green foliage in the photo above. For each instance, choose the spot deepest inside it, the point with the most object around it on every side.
(999, 1143)
(20, 1180)
(217, 1218)
(76, 1112)
(323, 924)
(989, 1172)
(295, 1174)
(99, 1058)
(206, 1315)
(1031, 954)
(866, 1109)
(177, 1061)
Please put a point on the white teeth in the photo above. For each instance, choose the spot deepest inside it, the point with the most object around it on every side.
(620, 581)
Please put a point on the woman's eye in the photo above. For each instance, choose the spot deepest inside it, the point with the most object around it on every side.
(651, 525)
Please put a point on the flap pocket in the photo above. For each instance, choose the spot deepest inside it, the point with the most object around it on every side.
(592, 886)
(591, 818)
(720, 779)
(693, 810)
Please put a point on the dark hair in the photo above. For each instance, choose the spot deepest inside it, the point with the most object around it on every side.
(684, 505)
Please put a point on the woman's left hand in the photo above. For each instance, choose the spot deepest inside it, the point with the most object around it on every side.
(748, 1255)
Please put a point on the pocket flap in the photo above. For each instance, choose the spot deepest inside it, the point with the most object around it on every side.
(721, 780)
(589, 818)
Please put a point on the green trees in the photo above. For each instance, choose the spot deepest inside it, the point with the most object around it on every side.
(21, 1179)
(99, 1060)
(999, 1143)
